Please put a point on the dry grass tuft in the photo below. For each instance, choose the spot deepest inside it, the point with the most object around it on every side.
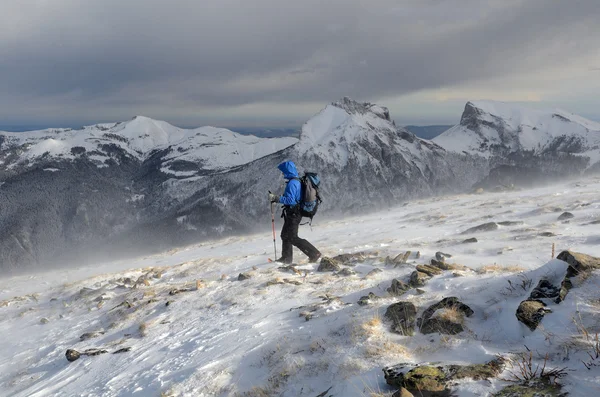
(495, 268)
(451, 314)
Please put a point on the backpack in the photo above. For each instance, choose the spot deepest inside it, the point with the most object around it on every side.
(310, 194)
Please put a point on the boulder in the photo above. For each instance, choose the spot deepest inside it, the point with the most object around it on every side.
(434, 380)
(351, 259)
(429, 270)
(579, 263)
(328, 265)
(244, 276)
(346, 272)
(402, 315)
(90, 335)
(368, 299)
(539, 388)
(72, 355)
(469, 240)
(418, 279)
(423, 378)
(510, 223)
(398, 287)
(531, 312)
(485, 227)
(440, 256)
(566, 215)
(445, 324)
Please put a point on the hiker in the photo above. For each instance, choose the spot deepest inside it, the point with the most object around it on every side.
(291, 216)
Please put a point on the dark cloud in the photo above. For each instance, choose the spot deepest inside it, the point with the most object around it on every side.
(75, 57)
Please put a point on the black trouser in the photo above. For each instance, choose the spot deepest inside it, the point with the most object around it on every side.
(289, 236)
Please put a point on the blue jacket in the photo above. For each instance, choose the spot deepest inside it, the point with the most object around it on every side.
(292, 194)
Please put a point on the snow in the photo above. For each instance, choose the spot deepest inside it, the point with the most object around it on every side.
(524, 129)
(212, 148)
(230, 336)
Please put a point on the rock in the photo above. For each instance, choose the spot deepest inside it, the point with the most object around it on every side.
(346, 272)
(469, 240)
(402, 315)
(366, 300)
(293, 282)
(485, 227)
(449, 325)
(447, 266)
(446, 326)
(398, 287)
(91, 335)
(477, 371)
(546, 234)
(566, 215)
(94, 352)
(44, 320)
(418, 255)
(510, 223)
(373, 273)
(419, 291)
(275, 281)
(433, 380)
(565, 287)
(531, 312)
(418, 279)
(123, 350)
(544, 289)
(424, 379)
(429, 270)
(351, 259)
(403, 393)
(244, 276)
(539, 388)
(579, 263)
(440, 256)
(328, 265)
(72, 355)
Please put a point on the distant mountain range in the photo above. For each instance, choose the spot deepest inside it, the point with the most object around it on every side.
(142, 186)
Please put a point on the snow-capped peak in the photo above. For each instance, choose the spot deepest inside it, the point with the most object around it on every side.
(343, 121)
(488, 127)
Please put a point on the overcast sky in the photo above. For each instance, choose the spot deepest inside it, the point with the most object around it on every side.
(277, 62)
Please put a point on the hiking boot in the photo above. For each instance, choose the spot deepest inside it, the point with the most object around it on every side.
(284, 260)
(315, 258)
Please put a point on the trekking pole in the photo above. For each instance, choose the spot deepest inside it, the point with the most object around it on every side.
(273, 224)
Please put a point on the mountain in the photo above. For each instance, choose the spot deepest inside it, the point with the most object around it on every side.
(145, 185)
(427, 131)
(488, 128)
(525, 144)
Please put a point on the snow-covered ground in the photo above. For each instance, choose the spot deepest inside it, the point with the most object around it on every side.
(219, 336)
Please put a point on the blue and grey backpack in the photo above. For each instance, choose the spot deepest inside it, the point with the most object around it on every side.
(310, 194)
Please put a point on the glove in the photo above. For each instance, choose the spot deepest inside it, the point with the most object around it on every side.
(273, 198)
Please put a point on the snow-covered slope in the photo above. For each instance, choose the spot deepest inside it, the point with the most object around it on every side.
(488, 128)
(189, 328)
(211, 148)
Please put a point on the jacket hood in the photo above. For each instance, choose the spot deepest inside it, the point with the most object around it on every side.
(289, 169)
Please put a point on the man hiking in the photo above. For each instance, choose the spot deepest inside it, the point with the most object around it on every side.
(291, 199)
